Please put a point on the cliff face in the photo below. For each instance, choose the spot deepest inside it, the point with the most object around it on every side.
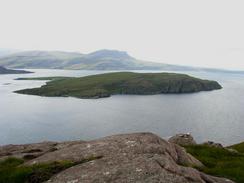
(138, 157)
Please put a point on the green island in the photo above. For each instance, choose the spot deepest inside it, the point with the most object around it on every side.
(105, 85)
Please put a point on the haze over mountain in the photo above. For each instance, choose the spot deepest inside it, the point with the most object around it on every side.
(98, 60)
(5, 52)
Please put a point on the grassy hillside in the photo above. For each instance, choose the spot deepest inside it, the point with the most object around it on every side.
(239, 147)
(220, 161)
(104, 85)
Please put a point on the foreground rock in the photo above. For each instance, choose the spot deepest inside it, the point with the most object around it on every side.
(31, 151)
(138, 157)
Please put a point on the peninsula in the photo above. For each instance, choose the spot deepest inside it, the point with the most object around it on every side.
(4, 70)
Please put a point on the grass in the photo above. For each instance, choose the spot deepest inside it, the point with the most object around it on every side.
(238, 147)
(219, 162)
(44, 78)
(104, 85)
(12, 170)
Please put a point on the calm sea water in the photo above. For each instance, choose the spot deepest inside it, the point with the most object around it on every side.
(216, 115)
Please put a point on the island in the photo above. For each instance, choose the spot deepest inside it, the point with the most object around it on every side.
(105, 85)
(4, 70)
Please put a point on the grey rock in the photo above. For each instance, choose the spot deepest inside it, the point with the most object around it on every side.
(213, 144)
(183, 139)
(31, 151)
(126, 158)
(26, 151)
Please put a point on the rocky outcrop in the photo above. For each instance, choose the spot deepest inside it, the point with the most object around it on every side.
(213, 144)
(31, 151)
(187, 139)
(182, 139)
(137, 157)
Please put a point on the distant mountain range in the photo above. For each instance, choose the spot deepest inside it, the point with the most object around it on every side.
(98, 60)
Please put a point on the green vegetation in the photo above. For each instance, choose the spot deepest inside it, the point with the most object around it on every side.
(104, 85)
(219, 161)
(12, 170)
(44, 78)
(238, 147)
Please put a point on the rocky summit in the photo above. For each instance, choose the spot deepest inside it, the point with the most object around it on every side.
(183, 139)
(137, 157)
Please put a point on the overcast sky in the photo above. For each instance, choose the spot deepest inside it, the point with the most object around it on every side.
(206, 33)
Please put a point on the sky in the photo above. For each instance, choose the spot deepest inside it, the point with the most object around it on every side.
(208, 33)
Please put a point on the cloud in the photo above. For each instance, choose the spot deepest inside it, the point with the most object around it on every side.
(180, 32)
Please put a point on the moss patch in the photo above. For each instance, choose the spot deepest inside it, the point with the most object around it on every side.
(12, 170)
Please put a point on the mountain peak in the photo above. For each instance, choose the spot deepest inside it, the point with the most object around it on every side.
(110, 54)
